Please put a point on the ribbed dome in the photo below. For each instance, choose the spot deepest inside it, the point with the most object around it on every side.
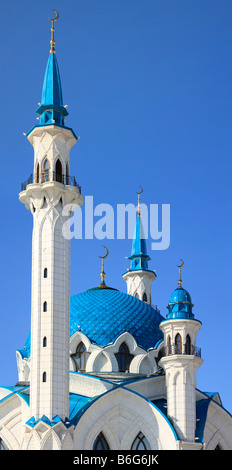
(103, 314)
(180, 295)
(180, 305)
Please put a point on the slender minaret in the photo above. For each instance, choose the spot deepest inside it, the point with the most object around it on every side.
(181, 360)
(139, 278)
(46, 194)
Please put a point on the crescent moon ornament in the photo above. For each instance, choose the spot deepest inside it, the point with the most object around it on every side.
(57, 16)
(140, 191)
(180, 282)
(139, 194)
(107, 253)
(182, 264)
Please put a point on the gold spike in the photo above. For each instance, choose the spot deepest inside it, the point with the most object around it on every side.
(180, 282)
(103, 274)
(52, 42)
(139, 208)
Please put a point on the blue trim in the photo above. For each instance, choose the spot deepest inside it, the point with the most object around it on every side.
(178, 318)
(221, 406)
(15, 392)
(56, 125)
(139, 269)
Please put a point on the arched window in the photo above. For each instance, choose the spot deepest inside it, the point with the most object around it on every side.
(58, 171)
(67, 174)
(123, 357)
(100, 443)
(45, 272)
(188, 345)
(81, 356)
(44, 342)
(145, 297)
(37, 173)
(45, 172)
(140, 443)
(44, 378)
(169, 346)
(178, 344)
(45, 306)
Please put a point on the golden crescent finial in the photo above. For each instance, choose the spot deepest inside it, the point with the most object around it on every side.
(103, 274)
(140, 191)
(139, 194)
(52, 42)
(107, 253)
(182, 264)
(57, 16)
(180, 282)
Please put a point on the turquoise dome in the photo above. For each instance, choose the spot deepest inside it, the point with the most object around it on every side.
(180, 305)
(103, 314)
(180, 295)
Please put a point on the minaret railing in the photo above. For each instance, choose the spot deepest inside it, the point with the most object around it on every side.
(174, 349)
(50, 176)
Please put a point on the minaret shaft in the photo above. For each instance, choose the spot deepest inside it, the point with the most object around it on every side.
(47, 198)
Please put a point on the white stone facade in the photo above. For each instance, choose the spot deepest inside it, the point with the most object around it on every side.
(140, 283)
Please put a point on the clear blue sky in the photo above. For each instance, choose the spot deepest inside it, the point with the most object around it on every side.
(149, 89)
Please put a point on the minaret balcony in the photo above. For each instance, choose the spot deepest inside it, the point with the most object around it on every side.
(49, 176)
(175, 349)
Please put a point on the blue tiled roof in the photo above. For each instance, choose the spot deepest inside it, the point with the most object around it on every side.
(180, 305)
(104, 314)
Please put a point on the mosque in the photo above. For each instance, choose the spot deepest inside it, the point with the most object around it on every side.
(105, 371)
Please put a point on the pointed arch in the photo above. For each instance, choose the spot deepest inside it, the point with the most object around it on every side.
(188, 345)
(123, 357)
(45, 170)
(140, 443)
(178, 344)
(50, 441)
(58, 171)
(81, 356)
(100, 443)
(144, 297)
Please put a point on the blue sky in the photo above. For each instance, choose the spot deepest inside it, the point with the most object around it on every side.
(149, 86)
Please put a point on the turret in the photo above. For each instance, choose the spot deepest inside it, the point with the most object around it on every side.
(181, 359)
(139, 277)
(46, 193)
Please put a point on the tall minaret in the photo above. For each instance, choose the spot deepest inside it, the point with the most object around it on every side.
(139, 278)
(47, 192)
(181, 360)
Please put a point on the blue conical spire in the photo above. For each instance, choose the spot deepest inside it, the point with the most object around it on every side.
(51, 109)
(139, 257)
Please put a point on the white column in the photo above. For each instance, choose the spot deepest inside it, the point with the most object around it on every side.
(180, 370)
(50, 305)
